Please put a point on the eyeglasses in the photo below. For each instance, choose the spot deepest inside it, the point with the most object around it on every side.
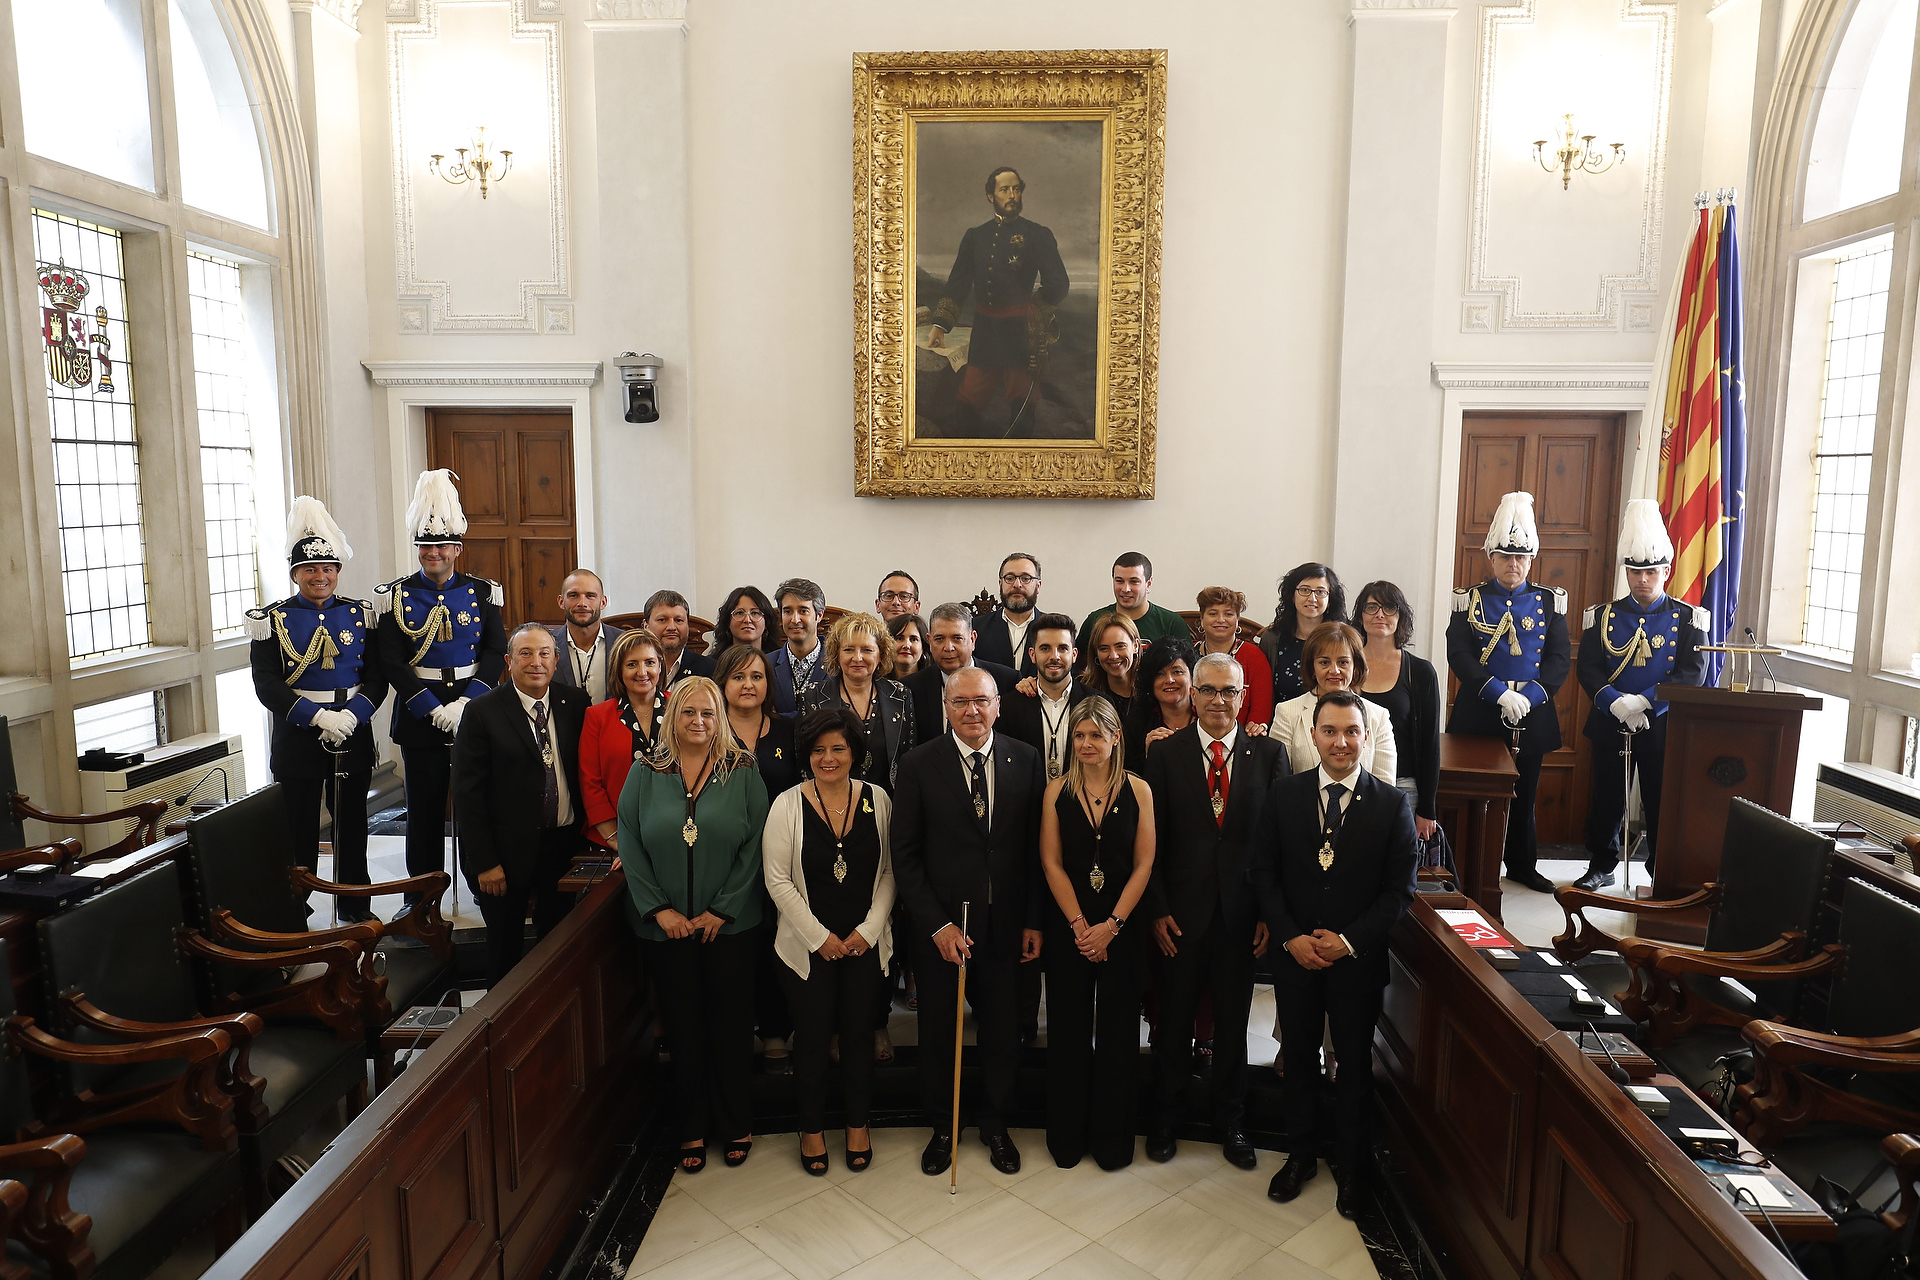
(1374, 609)
(977, 704)
(1311, 593)
(1209, 693)
(898, 597)
(748, 613)
(1019, 579)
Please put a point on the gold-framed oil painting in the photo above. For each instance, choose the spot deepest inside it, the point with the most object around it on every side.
(1006, 253)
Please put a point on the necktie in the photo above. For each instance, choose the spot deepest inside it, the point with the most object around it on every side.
(1335, 811)
(550, 793)
(1218, 783)
(978, 763)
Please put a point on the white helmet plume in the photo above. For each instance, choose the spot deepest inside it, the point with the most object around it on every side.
(1643, 536)
(313, 537)
(435, 516)
(1512, 530)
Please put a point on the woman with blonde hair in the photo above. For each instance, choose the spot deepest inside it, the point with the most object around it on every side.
(857, 667)
(1114, 648)
(619, 730)
(1334, 657)
(1096, 847)
(690, 827)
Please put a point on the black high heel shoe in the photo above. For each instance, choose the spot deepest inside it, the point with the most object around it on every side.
(693, 1159)
(859, 1160)
(816, 1165)
(736, 1153)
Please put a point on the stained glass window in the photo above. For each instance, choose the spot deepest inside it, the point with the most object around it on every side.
(99, 118)
(226, 437)
(96, 450)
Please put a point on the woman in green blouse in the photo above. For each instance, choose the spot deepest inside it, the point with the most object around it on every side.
(690, 848)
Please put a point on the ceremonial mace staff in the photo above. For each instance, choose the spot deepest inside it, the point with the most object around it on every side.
(959, 1024)
(1626, 809)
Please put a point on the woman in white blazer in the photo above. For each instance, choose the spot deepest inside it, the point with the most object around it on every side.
(1334, 657)
(828, 868)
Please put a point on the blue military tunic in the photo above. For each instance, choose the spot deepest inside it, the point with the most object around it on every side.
(1500, 640)
(439, 643)
(307, 658)
(1626, 649)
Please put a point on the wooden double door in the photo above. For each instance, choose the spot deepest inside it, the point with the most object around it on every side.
(1571, 466)
(516, 484)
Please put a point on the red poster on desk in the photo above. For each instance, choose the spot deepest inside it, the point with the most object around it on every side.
(1474, 929)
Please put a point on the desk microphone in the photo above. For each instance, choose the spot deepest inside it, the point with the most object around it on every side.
(1615, 1072)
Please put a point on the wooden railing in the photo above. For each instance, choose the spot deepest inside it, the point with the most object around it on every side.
(474, 1160)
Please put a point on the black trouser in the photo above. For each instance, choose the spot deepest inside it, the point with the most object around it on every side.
(1093, 1049)
(429, 774)
(891, 979)
(835, 998)
(993, 994)
(1346, 1002)
(1209, 961)
(506, 913)
(1030, 984)
(772, 1019)
(348, 809)
(1523, 842)
(706, 995)
(1607, 801)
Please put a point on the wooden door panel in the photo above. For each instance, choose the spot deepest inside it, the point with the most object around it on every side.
(516, 483)
(1571, 465)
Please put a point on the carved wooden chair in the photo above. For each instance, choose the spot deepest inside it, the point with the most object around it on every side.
(1762, 906)
(250, 901)
(159, 1157)
(1902, 1151)
(18, 809)
(1864, 1068)
(116, 968)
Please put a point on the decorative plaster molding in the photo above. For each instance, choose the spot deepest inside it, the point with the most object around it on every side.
(346, 11)
(1536, 375)
(556, 317)
(1643, 314)
(1607, 309)
(441, 313)
(1476, 317)
(545, 10)
(406, 10)
(640, 10)
(413, 316)
(482, 373)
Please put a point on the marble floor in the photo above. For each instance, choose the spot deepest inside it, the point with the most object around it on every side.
(1534, 918)
(1195, 1216)
(386, 862)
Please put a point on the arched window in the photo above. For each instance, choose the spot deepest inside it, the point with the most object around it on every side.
(161, 177)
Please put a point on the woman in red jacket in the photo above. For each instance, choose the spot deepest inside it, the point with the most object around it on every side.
(619, 731)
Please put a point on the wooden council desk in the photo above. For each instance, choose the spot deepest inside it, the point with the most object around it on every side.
(1477, 781)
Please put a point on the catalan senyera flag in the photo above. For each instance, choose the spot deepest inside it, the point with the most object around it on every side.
(1704, 429)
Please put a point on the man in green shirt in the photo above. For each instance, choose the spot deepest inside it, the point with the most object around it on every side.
(1132, 580)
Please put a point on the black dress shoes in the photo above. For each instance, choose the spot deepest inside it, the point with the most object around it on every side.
(1594, 880)
(1238, 1151)
(1347, 1195)
(1293, 1175)
(938, 1155)
(1161, 1146)
(1001, 1151)
(1532, 880)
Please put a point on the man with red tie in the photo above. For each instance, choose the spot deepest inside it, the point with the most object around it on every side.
(1210, 782)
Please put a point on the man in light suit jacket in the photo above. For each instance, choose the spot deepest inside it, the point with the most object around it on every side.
(1334, 862)
(966, 829)
(1210, 781)
(582, 642)
(516, 794)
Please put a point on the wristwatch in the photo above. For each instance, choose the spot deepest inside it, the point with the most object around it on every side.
(1118, 923)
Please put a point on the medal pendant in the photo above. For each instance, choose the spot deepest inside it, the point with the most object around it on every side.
(1097, 878)
(690, 832)
(1326, 856)
(546, 756)
(979, 807)
(1219, 804)
(839, 867)
(1053, 767)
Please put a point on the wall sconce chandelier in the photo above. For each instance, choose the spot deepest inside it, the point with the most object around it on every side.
(1576, 154)
(479, 166)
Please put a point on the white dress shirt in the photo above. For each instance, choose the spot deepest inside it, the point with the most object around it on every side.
(559, 770)
(1206, 750)
(1350, 782)
(966, 781)
(589, 667)
(1054, 715)
(1017, 637)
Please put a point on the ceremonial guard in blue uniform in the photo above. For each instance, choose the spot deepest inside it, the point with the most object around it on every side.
(314, 670)
(1507, 642)
(442, 643)
(1643, 639)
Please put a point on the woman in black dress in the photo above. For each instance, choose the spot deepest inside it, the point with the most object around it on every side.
(1409, 688)
(825, 854)
(1310, 594)
(1163, 701)
(1096, 845)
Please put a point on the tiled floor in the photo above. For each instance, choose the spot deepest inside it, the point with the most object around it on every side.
(1534, 918)
(387, 861)
(1194, 1216)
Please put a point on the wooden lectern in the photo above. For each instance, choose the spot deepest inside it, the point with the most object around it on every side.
(1477, 782)
(1721, 743)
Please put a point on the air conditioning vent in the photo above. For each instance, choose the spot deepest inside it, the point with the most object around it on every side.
(1880, 800)
(206, 766)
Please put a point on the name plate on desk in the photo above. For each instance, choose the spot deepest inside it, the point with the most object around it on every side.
(1474, 929)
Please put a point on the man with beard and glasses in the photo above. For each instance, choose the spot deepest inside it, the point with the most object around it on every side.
(1003, 638)
(583, 641)
(1000, 263)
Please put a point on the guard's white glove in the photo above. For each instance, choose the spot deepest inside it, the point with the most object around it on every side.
(1639, 722)
(1629, 705)
(446, 718)
(335, 726)
(1514, 707)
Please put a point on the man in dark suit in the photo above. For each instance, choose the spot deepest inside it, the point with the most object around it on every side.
(950, 642)
(966, 830)
(668, 616)
(1334, 861)
(1210, 782)
(1006, 637)
(516, 774)
(796, 664)
(1040, 719)
(583, 642)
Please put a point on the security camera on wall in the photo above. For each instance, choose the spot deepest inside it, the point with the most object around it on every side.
(641, 374)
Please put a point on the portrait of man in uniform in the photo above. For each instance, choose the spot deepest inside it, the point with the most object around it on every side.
(1007, 279)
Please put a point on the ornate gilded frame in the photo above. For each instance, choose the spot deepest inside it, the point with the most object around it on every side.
(1127, 89)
